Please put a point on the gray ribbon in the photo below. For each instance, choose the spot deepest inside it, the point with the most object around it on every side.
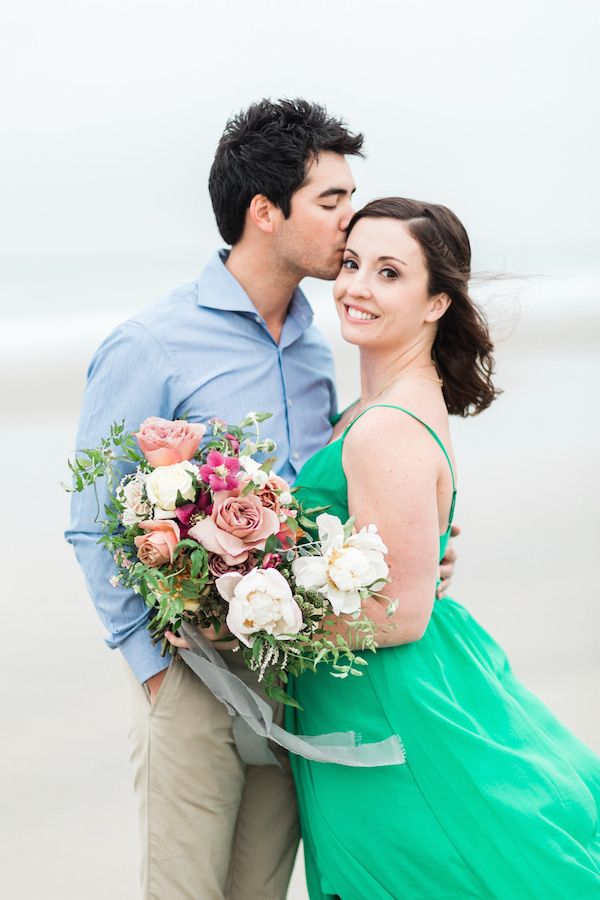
(253, 719)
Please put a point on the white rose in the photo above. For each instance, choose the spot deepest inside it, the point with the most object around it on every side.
(165, 483)
(164, 513)
(252, 468)
(131, 494)
(346, 569)
(259, 601)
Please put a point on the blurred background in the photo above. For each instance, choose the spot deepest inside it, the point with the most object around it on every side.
(111, 114)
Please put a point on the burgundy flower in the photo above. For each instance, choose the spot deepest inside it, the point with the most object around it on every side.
(219, 471)
(217, 565)
(235, 444)
(189, 513)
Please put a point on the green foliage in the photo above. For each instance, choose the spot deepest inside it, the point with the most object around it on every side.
(102, 461)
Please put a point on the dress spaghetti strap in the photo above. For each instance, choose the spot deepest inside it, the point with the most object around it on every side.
(436, 438)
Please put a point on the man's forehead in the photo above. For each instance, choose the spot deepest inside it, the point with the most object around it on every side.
(330, 173)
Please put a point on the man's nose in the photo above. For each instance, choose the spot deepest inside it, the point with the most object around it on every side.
(348, 212)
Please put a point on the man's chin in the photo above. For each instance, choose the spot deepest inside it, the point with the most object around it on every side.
(326, 273)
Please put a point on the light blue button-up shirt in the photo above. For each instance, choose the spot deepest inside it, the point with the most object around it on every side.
(204, 351)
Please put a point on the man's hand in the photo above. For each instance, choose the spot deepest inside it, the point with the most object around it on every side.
(447, 564)
(154, 684)
(223, 640)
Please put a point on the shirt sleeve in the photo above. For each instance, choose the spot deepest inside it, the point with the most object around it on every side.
(130, 378)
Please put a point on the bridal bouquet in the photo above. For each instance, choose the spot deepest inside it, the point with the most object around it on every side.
(212, 536)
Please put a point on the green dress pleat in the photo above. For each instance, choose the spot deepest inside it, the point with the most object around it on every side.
(497, 799)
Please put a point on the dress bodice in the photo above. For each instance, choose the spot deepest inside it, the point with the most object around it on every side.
(322, 480)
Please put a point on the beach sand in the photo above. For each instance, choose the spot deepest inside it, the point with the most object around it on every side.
(528, 506)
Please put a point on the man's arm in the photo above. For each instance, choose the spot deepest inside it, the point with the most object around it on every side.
(130, 377)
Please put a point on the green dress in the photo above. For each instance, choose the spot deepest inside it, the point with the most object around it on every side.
(496, 799)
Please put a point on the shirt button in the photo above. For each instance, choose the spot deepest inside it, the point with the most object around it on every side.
(257, 319)
(295, 455)
(290, 402)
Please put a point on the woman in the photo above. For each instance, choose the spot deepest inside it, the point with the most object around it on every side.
(497, 798)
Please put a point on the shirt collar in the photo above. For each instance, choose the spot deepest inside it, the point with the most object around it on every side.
(218, 289)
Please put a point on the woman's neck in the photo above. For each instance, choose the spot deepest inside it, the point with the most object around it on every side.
(379, 369)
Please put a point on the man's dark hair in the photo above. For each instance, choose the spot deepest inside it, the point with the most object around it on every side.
(265, 150)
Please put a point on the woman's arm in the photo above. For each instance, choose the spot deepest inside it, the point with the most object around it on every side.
(392, 466)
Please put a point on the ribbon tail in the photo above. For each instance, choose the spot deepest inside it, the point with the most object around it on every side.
(253, 719)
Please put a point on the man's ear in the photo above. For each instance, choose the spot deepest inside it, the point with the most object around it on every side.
(438, 304)
(262, 213)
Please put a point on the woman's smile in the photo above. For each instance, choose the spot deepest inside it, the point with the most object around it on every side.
(357, 314)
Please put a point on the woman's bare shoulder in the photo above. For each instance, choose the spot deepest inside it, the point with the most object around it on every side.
(386, 426)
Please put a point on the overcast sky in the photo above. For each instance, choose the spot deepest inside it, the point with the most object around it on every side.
(112, 110)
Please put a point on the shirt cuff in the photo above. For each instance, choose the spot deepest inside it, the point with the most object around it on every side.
(143, 656)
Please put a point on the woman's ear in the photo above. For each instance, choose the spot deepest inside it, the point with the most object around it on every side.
(262, 213)
(438, 304)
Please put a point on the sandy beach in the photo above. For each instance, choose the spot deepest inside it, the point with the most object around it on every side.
(528, 505)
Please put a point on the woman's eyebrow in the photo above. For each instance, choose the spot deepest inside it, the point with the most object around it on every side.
(395, 258)
(379, 258)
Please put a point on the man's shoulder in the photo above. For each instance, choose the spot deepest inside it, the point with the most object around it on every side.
(166, 321)
(159, 326)
(162, 317)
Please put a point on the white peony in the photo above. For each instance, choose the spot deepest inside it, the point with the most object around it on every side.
(346, 568)
(259, 601)
(165, 483)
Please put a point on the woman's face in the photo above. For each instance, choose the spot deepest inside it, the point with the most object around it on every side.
(381, 291)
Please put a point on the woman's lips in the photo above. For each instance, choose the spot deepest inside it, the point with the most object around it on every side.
(357, 315)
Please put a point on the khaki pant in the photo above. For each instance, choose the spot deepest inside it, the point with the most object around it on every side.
(211, 827)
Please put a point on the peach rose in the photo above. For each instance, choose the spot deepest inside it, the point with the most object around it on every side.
(164, 443)
(157, 547)
(236, 526)
(268, 495)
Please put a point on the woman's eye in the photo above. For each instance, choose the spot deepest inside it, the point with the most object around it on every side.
(328, 207)
(349, 264)
(389, 273)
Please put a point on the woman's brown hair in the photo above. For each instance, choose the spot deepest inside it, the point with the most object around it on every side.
(462, 350)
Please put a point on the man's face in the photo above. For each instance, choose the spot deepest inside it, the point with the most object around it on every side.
(312, 239)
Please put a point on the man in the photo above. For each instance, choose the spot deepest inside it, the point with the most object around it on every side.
(240, 337)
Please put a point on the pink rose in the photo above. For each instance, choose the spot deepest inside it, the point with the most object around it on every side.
(157, 547)
(164, 443)
(235, 526)
(246, 518)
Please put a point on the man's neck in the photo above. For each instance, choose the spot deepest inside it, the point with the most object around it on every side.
(266, 281)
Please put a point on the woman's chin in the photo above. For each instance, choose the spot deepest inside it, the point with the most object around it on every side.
(354, 334)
